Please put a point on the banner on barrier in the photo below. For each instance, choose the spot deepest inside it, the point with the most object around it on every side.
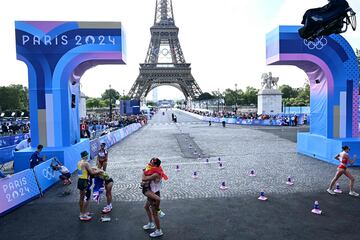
(94, 148)
(12, 140)
(45, 175)
(17, 189)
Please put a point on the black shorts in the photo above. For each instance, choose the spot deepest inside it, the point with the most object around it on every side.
(145, 185)
(151, 201)
(66, 175)
(110, 180)
(82, 184)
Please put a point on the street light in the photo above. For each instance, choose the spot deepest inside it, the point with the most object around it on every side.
(110, 103)
(236, 94)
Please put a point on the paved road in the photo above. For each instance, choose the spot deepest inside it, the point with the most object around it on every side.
(197, 208)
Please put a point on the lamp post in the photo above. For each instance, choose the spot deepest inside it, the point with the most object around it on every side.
(110, 103)
(235, 98)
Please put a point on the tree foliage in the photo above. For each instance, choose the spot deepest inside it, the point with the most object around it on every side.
(95, 103)
(296, 96)
(115, 95)
(205, 96)
(14, 97)
(239, 97)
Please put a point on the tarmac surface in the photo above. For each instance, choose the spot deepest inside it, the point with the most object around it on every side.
(197, 208)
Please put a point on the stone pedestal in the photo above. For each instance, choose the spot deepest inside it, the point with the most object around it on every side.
(269, 101)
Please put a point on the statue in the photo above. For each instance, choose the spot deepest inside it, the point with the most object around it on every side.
(268, 81)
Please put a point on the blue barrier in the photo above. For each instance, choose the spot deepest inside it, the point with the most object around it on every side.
(94, 148)
(45, 175)
(17, 190)
(12, 140)
(7, 154)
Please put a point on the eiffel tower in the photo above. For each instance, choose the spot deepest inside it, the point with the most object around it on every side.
(164, 63)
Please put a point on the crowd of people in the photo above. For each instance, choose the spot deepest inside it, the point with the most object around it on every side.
(286, 119)
(13, 127)
(94, 126)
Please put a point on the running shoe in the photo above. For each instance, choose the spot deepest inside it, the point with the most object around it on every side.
(107, 209)
(330, 191)
(85, 218)
(148, 226)
(353, 193)
(161, 213)
(157, 233)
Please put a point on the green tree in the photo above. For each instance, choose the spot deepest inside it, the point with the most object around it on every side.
(205, 96)
(250, 96)
(95, 103)
(288, 92)
(14, 97)
(150, 103)
(125, 97)
(115, 95)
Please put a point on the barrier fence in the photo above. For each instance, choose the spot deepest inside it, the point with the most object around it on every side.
(26, 185)
(17, 190)
(12, 140)
(240, 121)
(7, 146)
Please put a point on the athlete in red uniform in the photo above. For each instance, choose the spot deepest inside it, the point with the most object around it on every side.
(344, 159)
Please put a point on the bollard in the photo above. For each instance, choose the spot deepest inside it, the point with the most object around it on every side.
(222, 186)
(221, 166)
(252, 173)
(337, 189)
(289, 182)
(316, 209)
(262, 196)
(177, 168)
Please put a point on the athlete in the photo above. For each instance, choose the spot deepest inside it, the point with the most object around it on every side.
(101, 179)
(152, 168)
(151, 182)
(344, 159)
(65, 173)
(102, 157)
(84, 183)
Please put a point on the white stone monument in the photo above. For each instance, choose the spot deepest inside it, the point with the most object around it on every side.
(269, 97)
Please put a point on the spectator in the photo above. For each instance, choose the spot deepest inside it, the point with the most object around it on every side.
(35, 159)
(23, 144)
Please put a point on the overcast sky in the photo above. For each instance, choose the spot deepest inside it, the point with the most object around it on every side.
(223, 40)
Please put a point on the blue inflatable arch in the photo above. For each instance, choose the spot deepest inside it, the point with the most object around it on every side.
(57, 54)
(332, 68)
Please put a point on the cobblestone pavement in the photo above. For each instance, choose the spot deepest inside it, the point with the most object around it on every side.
(240, 149)
(196, 209)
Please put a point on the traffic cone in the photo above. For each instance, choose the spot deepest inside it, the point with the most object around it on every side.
(262, 196)
(190, 146)
(177, 168)
(195, 152)
(252, 173)
(337, 189)
(221, 166)
(222, 186)
(316, 209)
(289, 182)
(195, 176)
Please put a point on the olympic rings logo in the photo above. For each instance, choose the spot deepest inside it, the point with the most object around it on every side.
(48, 173)
(318, 43)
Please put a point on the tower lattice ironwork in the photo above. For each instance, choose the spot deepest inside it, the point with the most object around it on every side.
(165, 62)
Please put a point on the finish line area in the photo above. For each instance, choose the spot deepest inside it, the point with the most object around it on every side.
(198, 208)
